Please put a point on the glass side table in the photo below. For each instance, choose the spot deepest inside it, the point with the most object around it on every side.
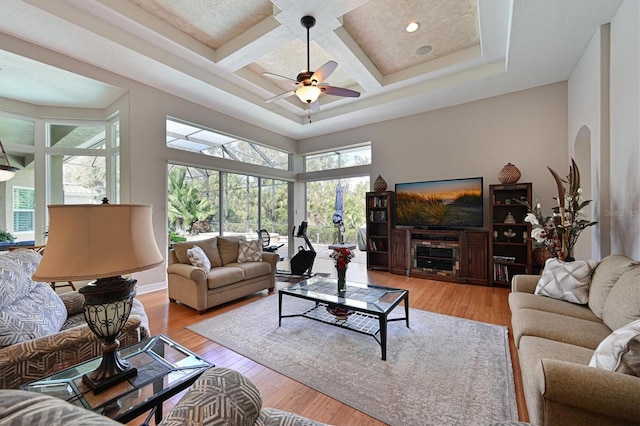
(165, 368)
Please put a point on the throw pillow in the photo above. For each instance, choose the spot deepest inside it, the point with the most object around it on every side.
(38, 314)
(568, 281)
(620, 351)
(198, 258)
(250, 251)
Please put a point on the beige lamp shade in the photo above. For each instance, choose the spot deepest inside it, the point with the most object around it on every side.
(90, 241)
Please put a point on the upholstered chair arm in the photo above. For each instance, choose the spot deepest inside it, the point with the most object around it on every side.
(275, 417)
(19, 408)
(27, 361)
(73, 301)
(219, 396)
(524, 283)
(569, 388)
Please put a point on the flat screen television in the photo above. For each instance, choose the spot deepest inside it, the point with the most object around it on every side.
(440, 204)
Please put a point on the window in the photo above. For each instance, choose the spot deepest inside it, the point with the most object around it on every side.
(82, 180)
(339, 158)
(249, 203)
(321, 196)
(87, 136)
(83, 162)
(24, 207)
(188, 137)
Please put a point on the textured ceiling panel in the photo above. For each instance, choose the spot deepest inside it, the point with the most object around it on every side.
(213, 23)
(288, 60)
(379, 29)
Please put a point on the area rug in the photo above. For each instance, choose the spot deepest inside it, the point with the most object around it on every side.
(441, 371)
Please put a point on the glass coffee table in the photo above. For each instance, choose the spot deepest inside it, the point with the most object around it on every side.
(165, 368)
(363, 308)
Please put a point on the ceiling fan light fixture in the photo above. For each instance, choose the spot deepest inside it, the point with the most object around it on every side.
(7, 171)
(308, 94)
(412, 26)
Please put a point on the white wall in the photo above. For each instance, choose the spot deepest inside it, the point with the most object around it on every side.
(527, 128)
(588, 99)
(625, 130)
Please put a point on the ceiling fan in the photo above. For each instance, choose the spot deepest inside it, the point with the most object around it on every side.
(311, 84)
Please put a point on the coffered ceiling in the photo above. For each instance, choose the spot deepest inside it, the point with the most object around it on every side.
(213, 52)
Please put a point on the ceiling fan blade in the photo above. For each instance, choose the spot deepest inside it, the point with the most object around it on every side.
(279, 77)
(281, 96)
(340, 91)
(324, 71)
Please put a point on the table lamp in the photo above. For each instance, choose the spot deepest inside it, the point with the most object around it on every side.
(101, 242)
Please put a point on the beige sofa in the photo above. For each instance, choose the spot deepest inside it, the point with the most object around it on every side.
(227, 279)
(556, 341)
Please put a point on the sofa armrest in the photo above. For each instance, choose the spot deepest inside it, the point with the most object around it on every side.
(190, 272)
(524, 283)
(580, 387)
(272, 258)
(73, 302)
(39, 357)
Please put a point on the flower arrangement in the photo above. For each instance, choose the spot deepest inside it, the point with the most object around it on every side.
(559, 232)
(341, 257)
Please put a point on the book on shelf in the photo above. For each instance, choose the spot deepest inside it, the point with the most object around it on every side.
(501, 272)
(379, 201)
(375, 216)
(510, 259)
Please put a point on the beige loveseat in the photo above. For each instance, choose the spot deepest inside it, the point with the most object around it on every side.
(227, 279)
(556, 341)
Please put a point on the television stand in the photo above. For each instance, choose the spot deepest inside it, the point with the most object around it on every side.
(447, 255)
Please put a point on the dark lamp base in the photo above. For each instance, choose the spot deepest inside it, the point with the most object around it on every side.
(100, 385)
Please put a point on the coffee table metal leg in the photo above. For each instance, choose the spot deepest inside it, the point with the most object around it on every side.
(279, 309)
(383, 336)
(406, 308)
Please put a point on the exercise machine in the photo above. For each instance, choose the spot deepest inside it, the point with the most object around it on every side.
(301, 262)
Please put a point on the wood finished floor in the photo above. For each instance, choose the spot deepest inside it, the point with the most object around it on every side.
(480, 303)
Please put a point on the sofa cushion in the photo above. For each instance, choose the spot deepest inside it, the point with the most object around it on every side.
(620, 351)
(224, 275)
(519, 301)
(567, 281)
(249, 251)
(209, 246)
(228, 248)
(198, 258)
(604, 277)
(623, 303)
(253, 269)
(561, 328)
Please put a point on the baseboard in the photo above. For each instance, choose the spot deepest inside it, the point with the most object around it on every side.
(150, 288)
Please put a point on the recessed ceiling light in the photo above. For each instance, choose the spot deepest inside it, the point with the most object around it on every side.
(423, 50)
(412, 26)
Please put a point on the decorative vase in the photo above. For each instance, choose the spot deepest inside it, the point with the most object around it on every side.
(342, 280)
(379, 185)
(509, 174)
(540, 256)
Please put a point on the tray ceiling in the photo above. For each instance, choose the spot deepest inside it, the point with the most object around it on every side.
(214, 52)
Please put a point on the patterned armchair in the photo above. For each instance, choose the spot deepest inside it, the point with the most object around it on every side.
(220, 396)
(42, 332)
